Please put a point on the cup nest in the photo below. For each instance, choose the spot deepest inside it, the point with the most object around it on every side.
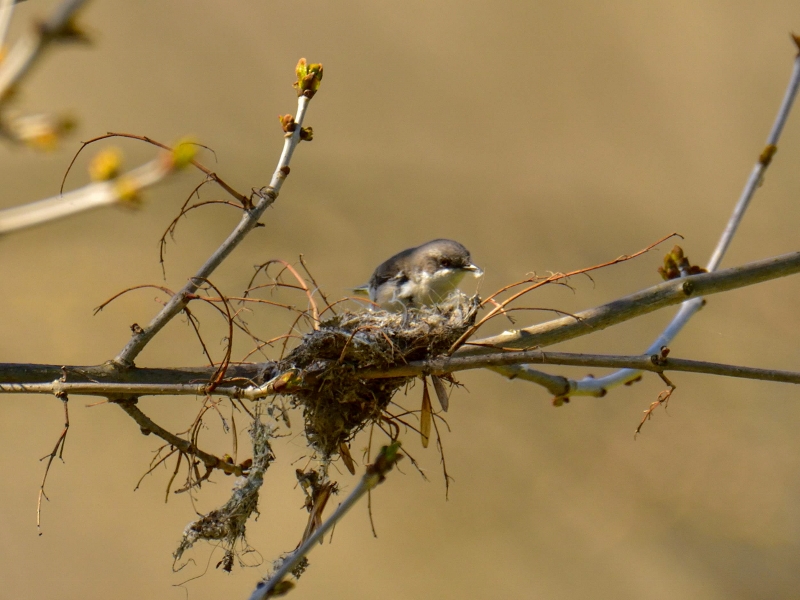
(336, 402)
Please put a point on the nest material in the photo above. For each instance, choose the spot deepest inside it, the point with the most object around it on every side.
(336, 403)
(227, 524)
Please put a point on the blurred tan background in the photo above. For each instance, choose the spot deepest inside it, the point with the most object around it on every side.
(544, 136)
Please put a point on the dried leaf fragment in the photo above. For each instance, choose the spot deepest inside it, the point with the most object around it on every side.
(425, 415)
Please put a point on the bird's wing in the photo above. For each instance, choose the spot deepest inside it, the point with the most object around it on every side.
(391, 269)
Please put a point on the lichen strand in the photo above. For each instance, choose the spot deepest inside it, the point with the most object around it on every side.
(336, 403)
(228, 523)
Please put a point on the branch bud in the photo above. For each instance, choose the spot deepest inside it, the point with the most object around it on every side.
(309, 77)
(183, 153)
(106, 164)
(287, 123)
(128, 192)
(41, 132)
(676, 264)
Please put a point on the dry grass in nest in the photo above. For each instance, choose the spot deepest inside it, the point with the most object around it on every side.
(336, 403)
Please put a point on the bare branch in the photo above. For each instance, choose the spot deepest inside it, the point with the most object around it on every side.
(6, 12)
(40, 131)
(374, 475)
(101, 193)
(249, 220)
(22, 378)
(646, 301)
(756, 178)
(26, 51)
(654, 363)
(210, 175)
(149, 426)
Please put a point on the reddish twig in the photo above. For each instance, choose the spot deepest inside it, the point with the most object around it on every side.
(244, 200)
(131, 289)
(537, 284)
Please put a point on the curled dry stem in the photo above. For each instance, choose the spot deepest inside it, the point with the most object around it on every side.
(170, 230)
(243, 200)
(229, 317)
(301, 285)
(166, 290)
(328, 305)
(537, 283)
(157, 461)
(195, 325)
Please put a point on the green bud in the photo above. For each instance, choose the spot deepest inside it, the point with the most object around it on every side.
(309, 77)
(183, 153)
(106, 165)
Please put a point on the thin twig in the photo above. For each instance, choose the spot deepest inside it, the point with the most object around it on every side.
(374, 475)
(170, 231)
(147, 425)
(157, 462)
(243, 200)
(223, 365)
(644, 302)
(57, 451)
(102, 306)
(303, 286)
(318, 289)
(555, 277)
(249, 220)
(688, 310)
(24, 54)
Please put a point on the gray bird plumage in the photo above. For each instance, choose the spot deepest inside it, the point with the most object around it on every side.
(424, 275)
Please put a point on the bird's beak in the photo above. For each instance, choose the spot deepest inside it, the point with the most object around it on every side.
(475, 270)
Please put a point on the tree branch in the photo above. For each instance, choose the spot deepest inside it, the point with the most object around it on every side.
(374, 475)
(593, 386)
(23, 56)
(249, 220)
(101, 193)
(635, 305)
(13, 374)
(41, 131)
(654, 363)
(148, 426)
(250, 381)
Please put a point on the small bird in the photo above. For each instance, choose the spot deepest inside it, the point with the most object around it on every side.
(424, 275)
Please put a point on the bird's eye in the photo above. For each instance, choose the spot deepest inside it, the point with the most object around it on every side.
(445, 262)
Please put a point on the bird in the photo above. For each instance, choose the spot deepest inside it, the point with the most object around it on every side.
(421, 276)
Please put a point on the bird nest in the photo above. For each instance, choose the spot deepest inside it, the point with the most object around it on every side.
(336, 402)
